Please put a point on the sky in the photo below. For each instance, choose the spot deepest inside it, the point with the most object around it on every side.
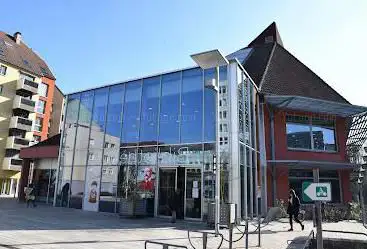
(89, 43)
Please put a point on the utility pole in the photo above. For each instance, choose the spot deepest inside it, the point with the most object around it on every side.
(319, 242)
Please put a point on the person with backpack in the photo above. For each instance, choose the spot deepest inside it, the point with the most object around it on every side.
(294, 205)
(30, 195)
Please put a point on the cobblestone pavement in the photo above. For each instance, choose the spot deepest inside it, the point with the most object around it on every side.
(47, 227)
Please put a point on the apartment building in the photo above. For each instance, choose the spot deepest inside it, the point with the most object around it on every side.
(27, 88)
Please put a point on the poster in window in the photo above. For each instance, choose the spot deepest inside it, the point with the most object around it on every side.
(91, 193)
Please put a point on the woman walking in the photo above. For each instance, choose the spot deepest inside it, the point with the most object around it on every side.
(30, 195)
(293, 209)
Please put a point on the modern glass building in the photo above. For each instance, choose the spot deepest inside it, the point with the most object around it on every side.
(151, 136)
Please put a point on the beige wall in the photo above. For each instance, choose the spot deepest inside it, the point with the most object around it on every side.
(8, 83)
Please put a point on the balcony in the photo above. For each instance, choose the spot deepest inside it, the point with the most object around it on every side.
(20, 123)
(12, 163)
(23, 103)
(27, 86)
(16, 143)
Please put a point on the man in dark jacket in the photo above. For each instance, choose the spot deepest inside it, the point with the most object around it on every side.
(175, 203)
(293, 209)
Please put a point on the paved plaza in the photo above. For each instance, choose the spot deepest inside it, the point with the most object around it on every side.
(48, 227)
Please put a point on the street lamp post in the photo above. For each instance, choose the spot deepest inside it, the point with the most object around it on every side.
(208, 60)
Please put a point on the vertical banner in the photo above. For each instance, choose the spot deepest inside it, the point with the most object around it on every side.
(92, 189)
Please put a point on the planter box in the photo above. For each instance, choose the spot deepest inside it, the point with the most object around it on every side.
(127, 208)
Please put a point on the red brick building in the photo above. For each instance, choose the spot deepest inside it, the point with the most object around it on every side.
(306, 122)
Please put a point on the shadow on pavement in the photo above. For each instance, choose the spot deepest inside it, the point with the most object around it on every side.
(297, 242)
(16, 246)
(16, 216)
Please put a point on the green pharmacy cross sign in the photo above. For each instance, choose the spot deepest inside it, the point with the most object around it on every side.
(316, 191)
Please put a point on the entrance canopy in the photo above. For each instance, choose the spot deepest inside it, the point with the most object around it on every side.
(314, 105)
(322, 165)
(46, 149)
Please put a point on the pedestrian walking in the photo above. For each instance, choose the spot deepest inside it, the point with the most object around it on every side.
(30, 196)
(175, 202)
(65, 194)
(293, 209)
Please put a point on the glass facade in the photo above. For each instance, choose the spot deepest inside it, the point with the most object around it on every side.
(154, 138)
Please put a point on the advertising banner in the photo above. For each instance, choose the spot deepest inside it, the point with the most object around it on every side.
(91, 194)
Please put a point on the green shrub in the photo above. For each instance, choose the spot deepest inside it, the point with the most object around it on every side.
(355, 211)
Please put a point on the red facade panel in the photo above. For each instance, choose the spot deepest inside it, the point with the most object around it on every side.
(283, 153)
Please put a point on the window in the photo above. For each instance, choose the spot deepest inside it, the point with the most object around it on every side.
(223, 140)
(106, 145)
(3, 70)
(26, 76)
(38, 124)
(192, 106)
(42, 89)
(310, 133)
(1, 89)
(106, 158)
(223, 89)
(149, 110)
(91, 141)
(112, 146)
(170, 109)
(224, 114)
(225, 127)
(91, 156)
(41, 106)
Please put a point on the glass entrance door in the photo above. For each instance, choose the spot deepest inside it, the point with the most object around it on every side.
(193, 194)
(167, 187)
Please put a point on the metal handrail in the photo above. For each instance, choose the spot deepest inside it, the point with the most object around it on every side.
(165, 245)
(337, 231)
(311, 235)
(205, 238)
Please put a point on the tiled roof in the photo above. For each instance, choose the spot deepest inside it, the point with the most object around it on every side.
(23, 57)
(270, 34)
(276, 71)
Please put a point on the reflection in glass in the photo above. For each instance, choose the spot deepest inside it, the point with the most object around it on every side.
(131, 119)
(114, 114)
(298, 136)
(146, 176)
(209, 177)
(108, 193)
(210, 107)
(113, 125)
(64, 182)
(71, 118)
(181, 155)
(127, 172)
(170, 109)
(77, 186)
(192, 106)
(149, 111)
(323, 132)
(98, 120)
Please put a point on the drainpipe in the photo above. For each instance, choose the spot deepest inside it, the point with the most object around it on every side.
(273, 166)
